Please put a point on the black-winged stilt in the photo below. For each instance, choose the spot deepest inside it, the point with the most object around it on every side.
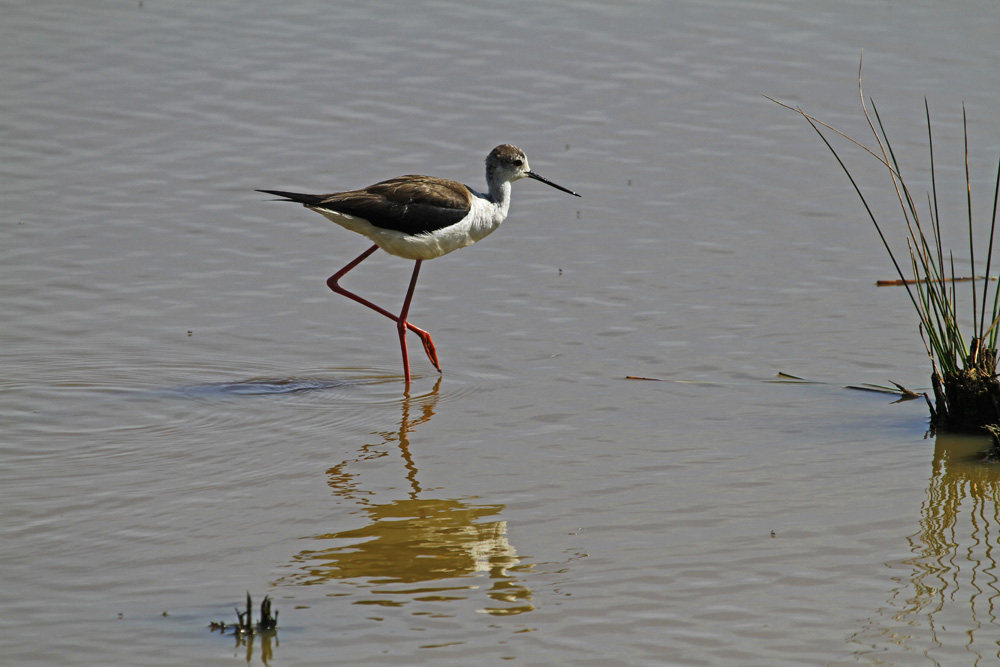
(421, 217)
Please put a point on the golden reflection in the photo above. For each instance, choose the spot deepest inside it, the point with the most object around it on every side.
(948, 598)
(414, 548)
(266, 650)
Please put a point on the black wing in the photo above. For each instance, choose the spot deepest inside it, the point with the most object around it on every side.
(408, 204)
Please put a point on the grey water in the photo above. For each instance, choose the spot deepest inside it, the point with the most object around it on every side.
(188, 414)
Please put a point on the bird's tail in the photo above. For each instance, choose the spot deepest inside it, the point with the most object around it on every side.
(298, 197)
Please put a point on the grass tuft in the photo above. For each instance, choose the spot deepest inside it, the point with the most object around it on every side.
(931, 285)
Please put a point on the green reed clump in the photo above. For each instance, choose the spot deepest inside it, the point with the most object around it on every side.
(964, 378)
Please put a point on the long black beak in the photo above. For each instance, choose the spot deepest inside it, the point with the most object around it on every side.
(535, 176)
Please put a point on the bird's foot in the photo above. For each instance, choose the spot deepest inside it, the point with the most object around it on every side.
(428, 343)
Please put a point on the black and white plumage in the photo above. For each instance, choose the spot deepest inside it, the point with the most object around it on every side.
(421, 217)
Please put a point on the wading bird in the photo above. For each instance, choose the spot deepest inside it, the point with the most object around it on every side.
(418, 218)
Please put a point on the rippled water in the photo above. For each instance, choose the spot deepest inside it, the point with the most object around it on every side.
(189, 414)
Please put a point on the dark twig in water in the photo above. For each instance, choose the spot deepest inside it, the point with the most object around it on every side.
(785, 378)
(244, 625)
(911, 281)
(901, 391)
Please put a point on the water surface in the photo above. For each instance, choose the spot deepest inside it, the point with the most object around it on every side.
(189, 413)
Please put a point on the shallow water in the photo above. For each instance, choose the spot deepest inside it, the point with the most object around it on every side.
(190, 414)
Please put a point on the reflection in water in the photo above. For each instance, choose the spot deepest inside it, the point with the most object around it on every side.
(411, 543)
(266, 650)
(949, 589)
(415, 549)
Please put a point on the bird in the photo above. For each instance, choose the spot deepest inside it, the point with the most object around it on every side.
(419, 218)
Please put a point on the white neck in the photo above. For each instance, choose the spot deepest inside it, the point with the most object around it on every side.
(500, 196)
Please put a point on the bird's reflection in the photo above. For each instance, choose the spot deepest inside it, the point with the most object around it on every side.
(948, 594)
(415, 548)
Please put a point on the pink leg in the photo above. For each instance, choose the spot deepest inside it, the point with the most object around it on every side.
(401, 323)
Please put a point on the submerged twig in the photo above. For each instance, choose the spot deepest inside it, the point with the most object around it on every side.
(786, 378)
(913, 281)
(901, 391)
(244, 625)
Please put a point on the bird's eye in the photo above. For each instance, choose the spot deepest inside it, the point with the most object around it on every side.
(518, 163)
